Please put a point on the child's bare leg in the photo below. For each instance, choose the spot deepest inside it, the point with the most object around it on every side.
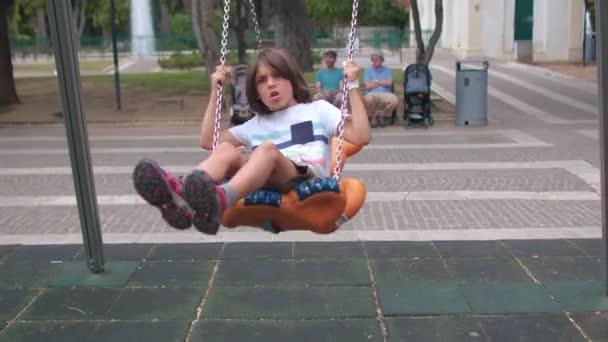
(226, 160)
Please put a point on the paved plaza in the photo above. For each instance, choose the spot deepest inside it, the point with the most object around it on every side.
(450, 204)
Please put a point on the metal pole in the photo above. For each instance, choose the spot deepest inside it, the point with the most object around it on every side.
(601, 15)
(584, 37)
(115, 52)
(68, 71)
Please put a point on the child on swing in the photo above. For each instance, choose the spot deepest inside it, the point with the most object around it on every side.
(290, 137)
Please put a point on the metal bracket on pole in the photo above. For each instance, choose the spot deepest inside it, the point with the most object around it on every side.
(601, 16)
(64, 38)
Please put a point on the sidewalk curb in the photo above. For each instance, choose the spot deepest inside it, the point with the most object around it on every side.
(550, 73)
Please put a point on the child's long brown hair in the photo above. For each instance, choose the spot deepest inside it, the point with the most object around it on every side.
(281, 62)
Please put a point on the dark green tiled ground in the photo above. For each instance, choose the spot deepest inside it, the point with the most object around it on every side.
(537, 328)
(508, 298)
(173, 274)
(293, 272)
(157, 304)
(44, 253)
(579, 295)
(157, 331)
(404, 299)
(435, 329)
(356, 330)
(126, 252)
(464, 249)
(400, 249)
(543, 248)
(26, 274)
(260, 250)
(593, 247)
(329, 250)
(76, 273)
(5, 251)
(594, 324)
(409, 270)
(72, 304)
(12, 301)
(486, 270)
(565, 268)
(48, 332)
(289, 302)
(185, 252)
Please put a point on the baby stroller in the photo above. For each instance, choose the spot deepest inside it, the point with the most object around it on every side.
(417, 86)
(239, 111)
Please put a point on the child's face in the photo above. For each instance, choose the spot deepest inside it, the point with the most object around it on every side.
(274, 90)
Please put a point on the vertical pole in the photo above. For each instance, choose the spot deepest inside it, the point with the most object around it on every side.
(115, 53)
(63, 37)
(585, 37)
(601, 15)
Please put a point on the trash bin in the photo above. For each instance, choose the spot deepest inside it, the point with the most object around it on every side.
(472, 92)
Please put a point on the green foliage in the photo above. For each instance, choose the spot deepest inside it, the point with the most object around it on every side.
(182, 61)
(181, 24)
(99, 12)
(371, 13)
(329, 13)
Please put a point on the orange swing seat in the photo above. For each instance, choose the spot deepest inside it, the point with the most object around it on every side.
(320, 205)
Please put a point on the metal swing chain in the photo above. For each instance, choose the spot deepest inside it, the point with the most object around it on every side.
(254, 18)
(351, 47)
(220, 86)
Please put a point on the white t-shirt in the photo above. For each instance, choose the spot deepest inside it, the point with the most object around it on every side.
(302, 133)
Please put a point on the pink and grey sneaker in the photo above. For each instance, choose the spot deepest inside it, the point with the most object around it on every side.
(163, 191)
(207, 201)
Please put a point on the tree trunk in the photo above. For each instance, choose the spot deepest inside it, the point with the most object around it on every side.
(436, 33)
(8, 93)
(294, 30)
(165, 18)
(239, 26)
(196, 25)
(418, 32)
(202, 23)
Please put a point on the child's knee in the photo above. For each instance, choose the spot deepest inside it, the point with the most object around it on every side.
(266, 150)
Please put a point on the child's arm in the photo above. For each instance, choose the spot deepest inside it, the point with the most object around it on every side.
(207, 127)
(357, 129)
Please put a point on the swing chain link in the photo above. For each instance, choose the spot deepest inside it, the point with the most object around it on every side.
(254, 18)
(351, 48)
(220, 86)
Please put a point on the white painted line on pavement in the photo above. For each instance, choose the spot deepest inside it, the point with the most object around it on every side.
(49, 201)
(102, 138)
(520, 105)
(590, 133)
(571, 81)
(593, 110)
(229, 235)
(445, 94)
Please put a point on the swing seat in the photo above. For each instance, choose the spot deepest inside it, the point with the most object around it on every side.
(320, 205)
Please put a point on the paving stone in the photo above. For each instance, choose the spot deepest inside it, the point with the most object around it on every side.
(579, 295)
(122, 252)
(418, 298)
(293, 272)
(13, 301)
(44, 253)
(594, 324)
(258, 250)
(289, 302)
(72, 304)
(5, 251)
(27, 274)
(186, 252)
(76, 273)
(593, 247)
(154, 331)
(329, 250)
(486, 270)
(473, 249)
(565, 268)
(542, 248)
(400, 249)
(508, 298)
(538, 328)
(410, 270)
(435, 329)
(48, 332)
(172, 274)
(157, 304)
(355, 330)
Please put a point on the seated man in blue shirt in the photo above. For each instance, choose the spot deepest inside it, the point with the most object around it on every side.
(329, 81)
(379, 100)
